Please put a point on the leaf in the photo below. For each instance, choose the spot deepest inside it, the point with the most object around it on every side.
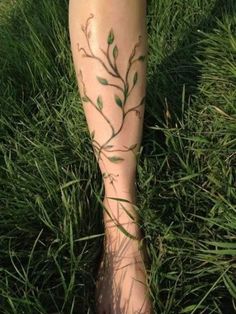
(85, 99)
(115, 52)
(90, 237)
(199, 139)
(222, 244)
(221, 252)
(126, 90)
(190, 308)
(116, 159)
(230, 285)
(118, 101)
(100, 102)
(108, 146)
(110, 37)
(132, 146)
(135, 79)
(141, 58)
(102, 80)
(92, 134)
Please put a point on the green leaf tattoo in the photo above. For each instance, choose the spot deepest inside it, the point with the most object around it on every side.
(124, 83)
(100, 102)
(115, 52)
(118, 101)
(92, 134)
(142, 58)
(135, 79)
(102, 80)
(110, 37)
(132, 147)
(116, 159)
(85, 99)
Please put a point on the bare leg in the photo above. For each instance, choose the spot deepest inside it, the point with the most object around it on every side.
(109, 47)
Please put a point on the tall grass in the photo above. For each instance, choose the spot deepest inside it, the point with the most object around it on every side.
(50, 218)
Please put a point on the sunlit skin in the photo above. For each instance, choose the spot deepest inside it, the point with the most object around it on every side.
(109, 49)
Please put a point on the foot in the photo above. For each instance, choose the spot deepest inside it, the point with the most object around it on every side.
(122, 279)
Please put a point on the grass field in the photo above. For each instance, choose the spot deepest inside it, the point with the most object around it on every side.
(50, 218)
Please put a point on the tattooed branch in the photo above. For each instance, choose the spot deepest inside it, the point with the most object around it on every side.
(126, 86)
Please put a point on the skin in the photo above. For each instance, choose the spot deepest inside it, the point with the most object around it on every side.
(109, 49)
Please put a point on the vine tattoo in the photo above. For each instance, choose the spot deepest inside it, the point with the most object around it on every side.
(125, 86)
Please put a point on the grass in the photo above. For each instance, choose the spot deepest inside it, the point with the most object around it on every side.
(50, 218)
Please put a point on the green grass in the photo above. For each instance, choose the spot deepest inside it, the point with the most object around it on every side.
(50, 217)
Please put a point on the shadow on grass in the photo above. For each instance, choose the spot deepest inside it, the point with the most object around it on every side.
(165, 91)
(165, 86)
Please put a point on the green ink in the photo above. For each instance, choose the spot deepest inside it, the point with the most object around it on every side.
(100, 102)
(110, 65)
(118, 101)
(110, 38)
(102, 80)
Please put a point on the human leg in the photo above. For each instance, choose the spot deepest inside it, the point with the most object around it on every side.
(109, 47)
